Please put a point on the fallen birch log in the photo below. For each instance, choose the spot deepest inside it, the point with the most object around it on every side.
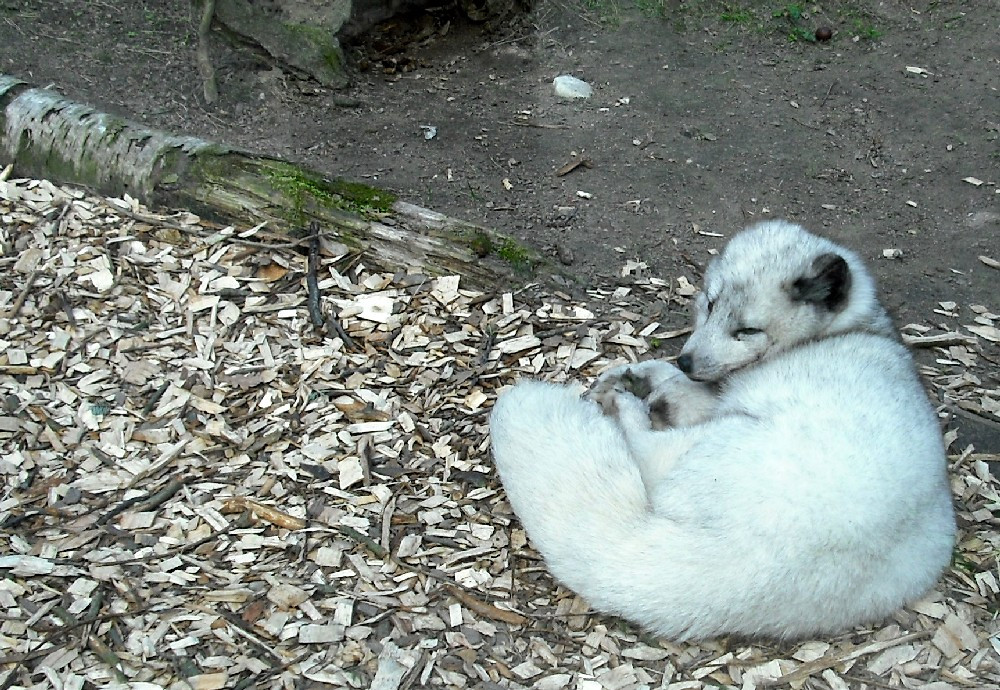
(47, 136)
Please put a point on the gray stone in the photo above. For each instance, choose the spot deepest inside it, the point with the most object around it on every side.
(303, 35)
(298, 34)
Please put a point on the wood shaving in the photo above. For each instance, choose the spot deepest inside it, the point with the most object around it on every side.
(203, 490)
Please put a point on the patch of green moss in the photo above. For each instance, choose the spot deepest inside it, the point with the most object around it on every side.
(361, 196)
(514, 254)
(607, 11)
(481, 244)
(736, 14)
(323, 41)
(51, 163)
(313, 34)
(304, 189)
(867, 30)
(651, 8)
(113, 128)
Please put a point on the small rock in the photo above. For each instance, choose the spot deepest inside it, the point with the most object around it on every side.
(570, 87)
(982, 219)
(565, 254)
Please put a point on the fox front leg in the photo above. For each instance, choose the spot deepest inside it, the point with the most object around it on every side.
(669, 397)
(618, 388)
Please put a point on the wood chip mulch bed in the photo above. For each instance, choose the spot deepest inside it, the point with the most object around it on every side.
(212, 479)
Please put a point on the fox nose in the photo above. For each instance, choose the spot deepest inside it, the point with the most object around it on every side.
(684, 363)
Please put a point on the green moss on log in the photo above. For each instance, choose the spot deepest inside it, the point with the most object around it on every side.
(306, 189)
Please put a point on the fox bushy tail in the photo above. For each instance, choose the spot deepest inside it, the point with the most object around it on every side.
(568, 474)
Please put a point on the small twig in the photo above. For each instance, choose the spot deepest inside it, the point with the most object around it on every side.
(573, 165)
(244, 631)
(538, 125)
(832, 659)
(868, 681)
(204, 58)
(489, 339)
(71, 625)
(163, 495)
(255, 680)
(828, 92)
(264, 512)
(962, 409)
(483, 608)
(25, 291)
(365, 456)
(118, 509)
(312, 281)
(147, 501)
(176, 551)
(154, 399)
(331, 325)
(97, 646)
(467, 595)
(365, 541)
(266, 245)
(17, 369)
(569, 326)
(107, 655)
(939, 339)
(806, 124)
(199, 230)
(66, 307)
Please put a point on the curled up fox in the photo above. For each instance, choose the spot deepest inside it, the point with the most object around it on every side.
(786, 479)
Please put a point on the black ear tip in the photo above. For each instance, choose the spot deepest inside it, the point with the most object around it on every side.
(832, 264)
(827, 282)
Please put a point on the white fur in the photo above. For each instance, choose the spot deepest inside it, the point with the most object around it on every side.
(813, 498)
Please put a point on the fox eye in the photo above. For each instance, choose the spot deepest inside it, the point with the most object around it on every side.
(709, 305)
(746, 332)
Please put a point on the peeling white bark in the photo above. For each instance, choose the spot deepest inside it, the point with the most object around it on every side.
(45, 132)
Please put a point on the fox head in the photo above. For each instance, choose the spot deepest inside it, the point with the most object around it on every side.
(774, 286)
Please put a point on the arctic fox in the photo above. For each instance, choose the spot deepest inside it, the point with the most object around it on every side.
(792, 483)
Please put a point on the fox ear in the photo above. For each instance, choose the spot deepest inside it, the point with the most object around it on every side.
(825, 284)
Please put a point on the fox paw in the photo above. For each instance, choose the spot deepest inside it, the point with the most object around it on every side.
(623, 398)
(668, 398)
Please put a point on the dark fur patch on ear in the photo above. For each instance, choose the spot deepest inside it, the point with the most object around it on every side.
(826, 284)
